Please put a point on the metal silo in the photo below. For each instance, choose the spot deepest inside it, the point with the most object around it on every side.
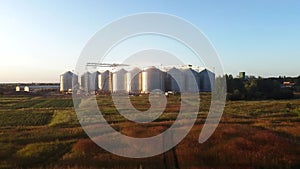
(94, 81)
(134, 81)
(105, 79)
(153, 78)
(175, 80)
(119, 80)
(85, 82)
(26, 89)
(18, 88)
(66, 81)
(192, 80)
(207, 80)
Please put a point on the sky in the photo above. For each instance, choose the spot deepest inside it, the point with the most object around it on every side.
(39, 39)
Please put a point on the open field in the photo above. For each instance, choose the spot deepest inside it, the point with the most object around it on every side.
(43, 132)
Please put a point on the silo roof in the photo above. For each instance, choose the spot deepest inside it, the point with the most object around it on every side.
(119, 70)
(68, 72)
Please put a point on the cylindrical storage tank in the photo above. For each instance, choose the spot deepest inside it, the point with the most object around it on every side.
(119, 80)
(207, 80)
(192, 80)
(105, 79)
(134, 81)
(85, 81)
(18, 88)
(175, 80)
(153, 78)
(26, 89)
(66, 81)
(94, 81)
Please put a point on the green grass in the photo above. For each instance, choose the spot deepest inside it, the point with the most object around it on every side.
(55, 103)
(25, 118)
(297, 111)
(25, 135)
(64, 118)
(45, 103)
(41, 153)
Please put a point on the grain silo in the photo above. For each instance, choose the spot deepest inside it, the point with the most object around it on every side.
(105, 79)
(66, 80)
(26, 89)
(207, 79)
(175, 80)
(134, 81)
(192, 80)
(94, 81)
(153, 78)
(18, 88)
(85, 81)
(119, 80)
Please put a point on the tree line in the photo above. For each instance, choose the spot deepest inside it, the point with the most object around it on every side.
(258, 88)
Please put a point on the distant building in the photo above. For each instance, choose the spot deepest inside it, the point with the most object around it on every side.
(287, 85)
(36, 88)
(26, 89)
(242, 75)
(135, 81)
(18, 88)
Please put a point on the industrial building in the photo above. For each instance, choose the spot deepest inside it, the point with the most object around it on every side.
(37, 88)
(242, 75)
(136, 81)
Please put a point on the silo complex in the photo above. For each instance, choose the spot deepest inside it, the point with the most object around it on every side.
(134, 81)
(153, 78)
(119, 81)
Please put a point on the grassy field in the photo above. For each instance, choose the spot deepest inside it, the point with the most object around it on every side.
(43, 132)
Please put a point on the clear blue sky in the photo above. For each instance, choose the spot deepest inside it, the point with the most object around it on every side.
(40, 39)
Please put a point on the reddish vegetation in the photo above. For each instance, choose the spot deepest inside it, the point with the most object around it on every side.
(239, 146)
